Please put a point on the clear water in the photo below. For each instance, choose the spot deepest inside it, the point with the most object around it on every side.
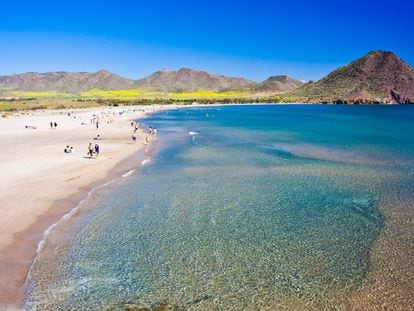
(266, 207)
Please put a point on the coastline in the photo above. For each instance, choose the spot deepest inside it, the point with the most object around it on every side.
(369, 295)
(29, 211)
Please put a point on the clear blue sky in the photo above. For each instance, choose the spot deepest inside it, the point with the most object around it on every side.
(254, 39)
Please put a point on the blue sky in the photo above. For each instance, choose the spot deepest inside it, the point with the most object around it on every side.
(254, 39)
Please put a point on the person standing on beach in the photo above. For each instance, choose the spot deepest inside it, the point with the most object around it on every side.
(90, 151)
(97, 150)
(51, 125)
(55, 125)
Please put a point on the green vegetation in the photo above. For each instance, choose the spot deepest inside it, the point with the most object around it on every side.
(378, 77)
(141, 93)
(94, 98)
(85, 103)
(44, 104)
(135, 93)
(48, 94)
(207, 94)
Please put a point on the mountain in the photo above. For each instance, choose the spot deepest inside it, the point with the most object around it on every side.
(188, 80)
(379, 76)
(278, 84)
(183, 80)
(68, 82)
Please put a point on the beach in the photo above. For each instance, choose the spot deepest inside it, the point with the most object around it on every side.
(229, 214)
(348, 244)
(39, 182)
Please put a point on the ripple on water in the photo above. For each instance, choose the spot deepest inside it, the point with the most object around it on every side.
(220, 225)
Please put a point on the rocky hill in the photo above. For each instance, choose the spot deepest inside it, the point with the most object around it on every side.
(68, 82)
(187, 80)
(377, 77)
(183, 80)
(278, 84)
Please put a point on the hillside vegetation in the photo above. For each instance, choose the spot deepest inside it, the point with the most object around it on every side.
(378, 77)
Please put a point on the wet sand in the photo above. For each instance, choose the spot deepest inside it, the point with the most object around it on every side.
(39, 183)
(389, 285)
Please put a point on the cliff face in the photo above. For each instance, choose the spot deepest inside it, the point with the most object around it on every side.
(377, 77)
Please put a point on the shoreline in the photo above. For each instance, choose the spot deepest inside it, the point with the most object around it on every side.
(44, 225)
(19, 248)
(368, 291)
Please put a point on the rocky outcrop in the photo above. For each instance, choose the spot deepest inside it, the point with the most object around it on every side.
(377, 77)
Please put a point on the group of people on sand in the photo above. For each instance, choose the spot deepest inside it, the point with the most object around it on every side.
(69, 149)
(135, 125)
(93, 150)
(151, 131)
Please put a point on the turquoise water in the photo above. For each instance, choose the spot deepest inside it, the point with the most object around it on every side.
(262, 207)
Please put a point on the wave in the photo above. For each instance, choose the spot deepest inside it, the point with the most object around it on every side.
(193, 138)
(64, 218)
(145, 161)
(129, 173)
(72, 212)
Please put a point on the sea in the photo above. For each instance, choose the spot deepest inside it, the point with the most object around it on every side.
(237, 207)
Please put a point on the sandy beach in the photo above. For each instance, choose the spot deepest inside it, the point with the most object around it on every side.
(39, 183)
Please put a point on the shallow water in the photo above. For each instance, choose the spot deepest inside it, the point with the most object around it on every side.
(242, 207)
